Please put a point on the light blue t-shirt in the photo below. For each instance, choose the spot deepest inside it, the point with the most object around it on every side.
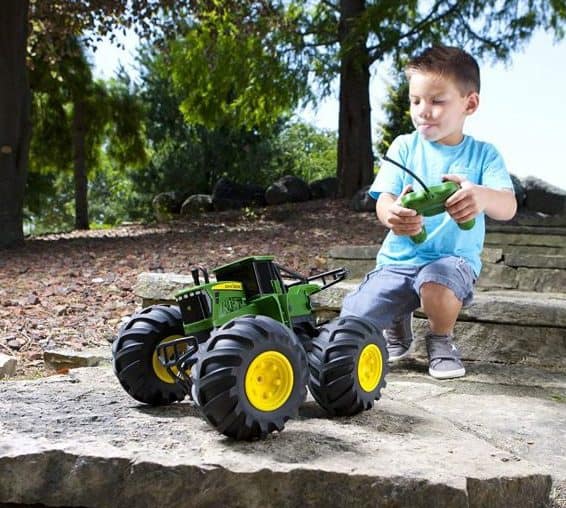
(477, 161)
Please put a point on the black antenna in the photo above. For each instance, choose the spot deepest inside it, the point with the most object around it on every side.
(385, 158)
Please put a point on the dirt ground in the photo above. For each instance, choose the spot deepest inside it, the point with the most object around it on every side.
(73, 290)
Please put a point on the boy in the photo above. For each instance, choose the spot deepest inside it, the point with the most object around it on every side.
(439, 274)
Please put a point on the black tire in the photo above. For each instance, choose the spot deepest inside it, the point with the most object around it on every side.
(222, 390)
(334, 360)
(133, 350)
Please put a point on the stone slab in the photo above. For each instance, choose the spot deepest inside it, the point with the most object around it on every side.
(68, 359)
(97, 447)
(541, 280)
(506, 344)
(552, 240)
(535, 260)
(503, 307)
(530, 218)
(160, 286)
(547, 383)
(527, 266)
(528, 229)
(498, 276)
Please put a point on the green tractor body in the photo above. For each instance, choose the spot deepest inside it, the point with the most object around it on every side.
(251, 285)
(245, 346)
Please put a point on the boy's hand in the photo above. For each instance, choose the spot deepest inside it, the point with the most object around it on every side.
(403, 221)
(467, 202)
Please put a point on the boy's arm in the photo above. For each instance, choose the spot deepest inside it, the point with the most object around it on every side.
(472, 199)
(402, 221)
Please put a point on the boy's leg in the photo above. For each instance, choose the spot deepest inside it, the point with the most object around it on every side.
(444, 286)
(399, 337)
(387, 298)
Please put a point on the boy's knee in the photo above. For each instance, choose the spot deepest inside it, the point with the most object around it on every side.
(435, 293)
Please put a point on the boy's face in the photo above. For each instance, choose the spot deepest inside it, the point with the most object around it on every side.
(438, 108)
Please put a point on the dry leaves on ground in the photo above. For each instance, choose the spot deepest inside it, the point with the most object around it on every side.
(73, 290)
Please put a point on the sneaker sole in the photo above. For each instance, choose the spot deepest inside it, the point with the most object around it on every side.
(448, 374)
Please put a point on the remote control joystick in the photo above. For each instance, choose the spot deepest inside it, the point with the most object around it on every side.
(429, 201)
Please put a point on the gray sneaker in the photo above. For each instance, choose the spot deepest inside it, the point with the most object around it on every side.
(399, 338)
(443, 357)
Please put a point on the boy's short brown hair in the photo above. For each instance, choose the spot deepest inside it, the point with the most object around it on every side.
(451, 62)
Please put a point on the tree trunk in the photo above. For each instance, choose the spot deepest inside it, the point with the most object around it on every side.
(355, 155)
(15, 125)
(79, 163)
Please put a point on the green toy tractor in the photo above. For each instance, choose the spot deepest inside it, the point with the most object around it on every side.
(245, 347)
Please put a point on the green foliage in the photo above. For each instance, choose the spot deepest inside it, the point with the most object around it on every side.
(233, 70)
(191, 158)
(308, 152)
(397, 116)
(49, 203)
(113, 140)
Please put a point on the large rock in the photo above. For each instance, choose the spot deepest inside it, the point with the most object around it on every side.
(424, 444)
(7, 365)
(520, 193)
(325, 188)
(196, 204)
(288, 189)
(544, 197)
(362, 201)
(166, 205)
(229, 195)
(154, 287)
(58, 359)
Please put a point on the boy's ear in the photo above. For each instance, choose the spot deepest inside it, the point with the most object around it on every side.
(473, 102)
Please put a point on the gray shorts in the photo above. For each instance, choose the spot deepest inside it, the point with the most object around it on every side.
(389, 292)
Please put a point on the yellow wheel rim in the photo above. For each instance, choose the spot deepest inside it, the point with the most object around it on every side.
(160, 371)
(370, 367)
(269, 381)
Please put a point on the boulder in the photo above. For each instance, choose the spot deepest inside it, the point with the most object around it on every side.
(520, 193)
(167, 204)
(288, 189)
(544, 197)
(197, 203)
(362, 201)
(7, 365)
(230, 195)
(325, 188)
(61, 359)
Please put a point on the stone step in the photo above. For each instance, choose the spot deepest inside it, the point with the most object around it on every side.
(470, 443)
(510, 327)
(515, 327)
(524, 267)
(532, 230)
(508, 239)
(529, 218)
(519, 308)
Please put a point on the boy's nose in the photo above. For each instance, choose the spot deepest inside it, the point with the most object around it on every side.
(425, 112)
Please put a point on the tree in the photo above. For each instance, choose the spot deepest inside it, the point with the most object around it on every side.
(397, 116)
(344, 37)
(238, 49)
(14, 118)
(49, 23)
(191, 157)
(370, 32)
(76, 118)
(235, 67)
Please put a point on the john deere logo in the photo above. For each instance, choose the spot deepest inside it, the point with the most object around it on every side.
(228, 286)
(231, 304)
